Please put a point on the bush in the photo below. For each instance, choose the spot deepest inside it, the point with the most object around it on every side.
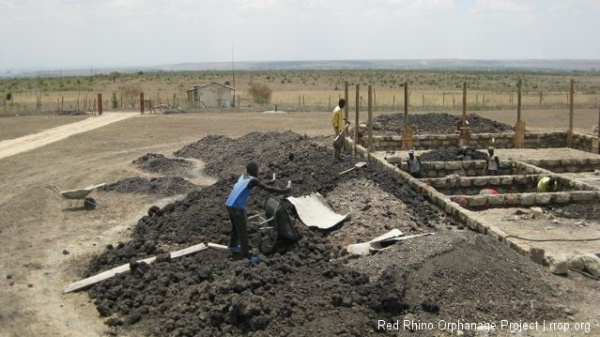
(114, 100)
(260, 92)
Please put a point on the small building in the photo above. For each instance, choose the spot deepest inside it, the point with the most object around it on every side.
(212, 95)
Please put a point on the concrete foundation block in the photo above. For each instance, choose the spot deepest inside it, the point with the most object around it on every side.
(479, 182)
(471, 172)
(507, 181)
(512, 200)
(505, 164)
(594, 161)
(543, 199)
(552, 162)
(453, 165)
(583, 195)
(439, 165)
(494, 181)
(465, 182)
(496, 233)
(528, 199)
(478, 201)
(495, 200)
(520, 247)
(397, 138)
(561, 197)
(537, 255)
(439, 183)
(394, 160)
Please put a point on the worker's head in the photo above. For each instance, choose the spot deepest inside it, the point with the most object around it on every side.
(553, 183)
(491, 150)
(411, 153)
(342, 103)
(252, 169)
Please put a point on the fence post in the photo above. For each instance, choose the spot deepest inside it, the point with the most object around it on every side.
(465, 133)
(519, 141)
(142, 103)
(370, 110)
(407, 132)
(99, 104)
(356, 117)
(570, 132)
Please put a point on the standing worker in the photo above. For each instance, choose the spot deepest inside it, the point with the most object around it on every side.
(339, 127)
(492, 163)
(236, 207)
(547, 184)
(414, 164)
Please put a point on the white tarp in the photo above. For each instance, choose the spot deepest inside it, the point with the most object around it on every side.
(365, 247)
(314, 211)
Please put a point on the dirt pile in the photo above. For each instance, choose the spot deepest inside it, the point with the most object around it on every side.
(163, 186)
(467, 153)
(158, 163)
(466, 276)
(308, 288)
(436, 123)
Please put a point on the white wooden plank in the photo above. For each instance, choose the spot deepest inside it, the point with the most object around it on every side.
(125, 268)
(217, 246)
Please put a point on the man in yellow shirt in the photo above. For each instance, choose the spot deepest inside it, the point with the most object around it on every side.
(547, 184)
(339, 127)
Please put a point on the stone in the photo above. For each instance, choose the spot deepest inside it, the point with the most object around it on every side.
(462, 201)
(512, 200)
(537, 255)
(559, 266)
(507, 181)
(536, 212)
(453, 165)
(543, 198)
(478, 201)
(394, 160)
(528, 199)
(495, 200)
(495, 181)
(561, 197)
(479, 181)
(592, 264)
(465, 182)
(583, 195)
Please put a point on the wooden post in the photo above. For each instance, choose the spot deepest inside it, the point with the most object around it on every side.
(541, 98)
(99, 104)
(346, 99)
(329, 103)
(370, 110)
(121, 102)
(423, 97)
(465, 133)
(238, 104)
(299, 100)
(406, 132)
(443, 100)
(572, 99)
(598, 126)
(519, 141)
(142, 103)
(356, 119)
(62, 104)
(303, 103)
(393, 102)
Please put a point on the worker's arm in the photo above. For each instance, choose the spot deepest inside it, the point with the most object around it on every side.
(257, 183)
(497, 162)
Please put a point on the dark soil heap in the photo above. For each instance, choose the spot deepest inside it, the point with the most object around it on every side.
(586, 211)
(163, 186)
(303, 289)
(436, 123)
(158, 163)
(467, 153)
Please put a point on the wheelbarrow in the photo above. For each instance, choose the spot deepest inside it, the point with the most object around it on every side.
(278, 223)
(77, 195)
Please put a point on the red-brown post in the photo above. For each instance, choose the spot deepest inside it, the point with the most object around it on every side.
(99, 104)
(570, 132)
(142, 103)
(370, 110)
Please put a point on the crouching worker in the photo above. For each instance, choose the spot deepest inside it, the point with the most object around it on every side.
(547, 184)
(414, 164)
(236, 207)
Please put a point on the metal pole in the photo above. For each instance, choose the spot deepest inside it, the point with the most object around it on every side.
(572, 96)
(519, 100)
(464, 103)
(142, 103)
(346, 99)
(405, 104)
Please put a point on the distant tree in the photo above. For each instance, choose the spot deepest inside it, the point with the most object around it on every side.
(260, 92)
(114, 75)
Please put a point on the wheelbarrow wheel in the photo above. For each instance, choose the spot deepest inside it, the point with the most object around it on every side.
(89, 203)
(267, 244)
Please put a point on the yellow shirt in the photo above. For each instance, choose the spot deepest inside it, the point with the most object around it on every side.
(337, 119)
(542, 185)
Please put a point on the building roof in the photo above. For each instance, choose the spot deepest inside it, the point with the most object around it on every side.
(197, 87)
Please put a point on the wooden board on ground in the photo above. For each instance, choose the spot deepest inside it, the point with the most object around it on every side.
(125, 268)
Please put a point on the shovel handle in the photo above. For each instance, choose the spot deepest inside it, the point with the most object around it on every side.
(348, 170)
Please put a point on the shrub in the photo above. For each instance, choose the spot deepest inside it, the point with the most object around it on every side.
(114, 100)
(260, 92)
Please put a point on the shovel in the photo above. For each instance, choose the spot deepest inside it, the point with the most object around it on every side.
(356, 166)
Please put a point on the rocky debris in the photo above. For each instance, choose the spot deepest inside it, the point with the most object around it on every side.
(158, 163)
(163, 186)
(312, 287)
(464, 153)
(436, 123)
(583, 211)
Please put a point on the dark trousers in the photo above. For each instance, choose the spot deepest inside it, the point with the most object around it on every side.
(239, 230)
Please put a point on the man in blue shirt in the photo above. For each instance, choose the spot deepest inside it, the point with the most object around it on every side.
(236, 207)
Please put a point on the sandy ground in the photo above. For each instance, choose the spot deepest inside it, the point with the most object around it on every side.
(37, 230)
(14, 146)
(18, 126)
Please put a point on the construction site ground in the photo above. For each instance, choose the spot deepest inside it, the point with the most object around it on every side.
(47, 246)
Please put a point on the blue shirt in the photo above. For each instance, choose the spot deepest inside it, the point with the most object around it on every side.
(240, 193)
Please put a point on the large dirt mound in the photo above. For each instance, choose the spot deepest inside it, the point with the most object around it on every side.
(586, 211)
(304, 289)
(468, 153)
(164, 186)
(436, 123)
(158, 163)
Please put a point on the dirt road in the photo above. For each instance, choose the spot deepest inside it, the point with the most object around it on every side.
(14, 146)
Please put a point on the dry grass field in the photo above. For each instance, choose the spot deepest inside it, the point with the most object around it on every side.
(309, 90)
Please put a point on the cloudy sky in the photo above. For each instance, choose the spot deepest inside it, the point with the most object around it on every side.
(52, 34)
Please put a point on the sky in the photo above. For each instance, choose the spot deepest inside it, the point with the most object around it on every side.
(67, 34)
